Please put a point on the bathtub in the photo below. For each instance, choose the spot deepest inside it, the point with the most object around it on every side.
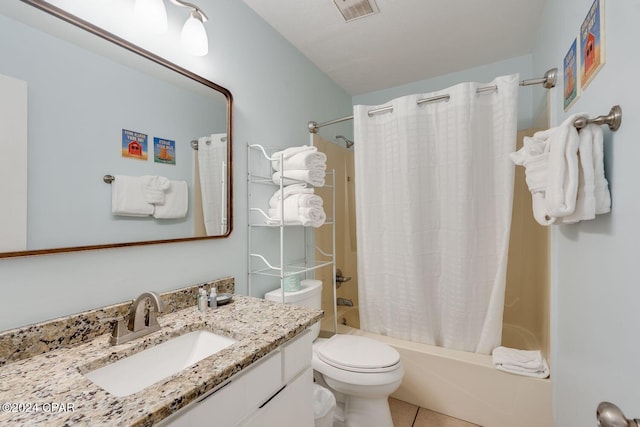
(467, 386)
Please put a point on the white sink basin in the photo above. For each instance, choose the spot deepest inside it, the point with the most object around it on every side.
(139, 371)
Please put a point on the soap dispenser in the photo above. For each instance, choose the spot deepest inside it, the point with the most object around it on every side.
(202, 299)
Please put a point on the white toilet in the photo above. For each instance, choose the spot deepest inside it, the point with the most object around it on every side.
(360, 371)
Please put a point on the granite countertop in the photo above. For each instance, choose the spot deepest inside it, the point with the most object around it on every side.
(50, 389)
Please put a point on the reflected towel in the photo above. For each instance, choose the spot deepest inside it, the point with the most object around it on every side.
(295, 176)
(154, 187)
(127, 197)
(520, 362)
(176, 202)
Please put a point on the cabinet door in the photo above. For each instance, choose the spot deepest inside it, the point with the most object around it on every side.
(292, 406)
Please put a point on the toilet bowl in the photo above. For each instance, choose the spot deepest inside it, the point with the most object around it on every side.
(359, 371)
(362, 373)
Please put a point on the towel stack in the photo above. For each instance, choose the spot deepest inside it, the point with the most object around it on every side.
(296, 203)
(299, 164)
(149, 195)
(564, 171)
(301, 207)
(529, 363)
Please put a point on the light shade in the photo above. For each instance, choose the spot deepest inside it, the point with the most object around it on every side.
(194, 36)
(151, 15)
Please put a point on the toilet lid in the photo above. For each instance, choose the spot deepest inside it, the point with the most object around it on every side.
(358, 354)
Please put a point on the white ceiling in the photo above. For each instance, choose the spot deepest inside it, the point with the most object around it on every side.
(409, 40)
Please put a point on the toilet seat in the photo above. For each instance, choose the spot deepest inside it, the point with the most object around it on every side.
(357, 354)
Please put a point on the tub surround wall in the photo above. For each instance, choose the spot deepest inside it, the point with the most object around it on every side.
(259, 327)
(28, 341)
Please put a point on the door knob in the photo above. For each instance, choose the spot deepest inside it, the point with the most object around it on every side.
(609, 415)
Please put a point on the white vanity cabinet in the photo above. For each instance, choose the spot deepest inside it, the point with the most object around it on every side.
(274, 391)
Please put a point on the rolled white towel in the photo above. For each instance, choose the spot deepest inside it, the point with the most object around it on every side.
(288, 191)
(312, 217)
(309, 201)
(312, 160)
(520, 362)
(288, 153)
(154, 187)
(294, 176)
(307, 217)
(296, 201)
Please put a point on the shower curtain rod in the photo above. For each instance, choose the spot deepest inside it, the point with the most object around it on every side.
(547, 81)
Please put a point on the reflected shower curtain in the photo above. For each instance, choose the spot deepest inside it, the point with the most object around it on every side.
(434, 192)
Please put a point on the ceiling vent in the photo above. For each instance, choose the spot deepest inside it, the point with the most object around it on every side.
(356, 9)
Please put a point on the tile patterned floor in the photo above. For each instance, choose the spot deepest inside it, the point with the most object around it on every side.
(407, 415)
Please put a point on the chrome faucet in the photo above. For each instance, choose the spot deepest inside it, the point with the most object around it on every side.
(344, 301)
(141, 321)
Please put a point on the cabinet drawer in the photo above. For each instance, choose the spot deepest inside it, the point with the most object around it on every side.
(266, 379)
(297, 355)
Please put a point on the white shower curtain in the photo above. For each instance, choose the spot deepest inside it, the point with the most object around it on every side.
(434, 192)
(212, 158)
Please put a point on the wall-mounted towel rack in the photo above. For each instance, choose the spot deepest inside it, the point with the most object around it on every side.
(194, 142)
(613, 119)
(108, 179)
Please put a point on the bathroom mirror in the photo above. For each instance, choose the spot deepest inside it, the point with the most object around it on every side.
(87, 92)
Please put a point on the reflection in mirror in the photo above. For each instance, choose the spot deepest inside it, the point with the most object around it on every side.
(85, 115)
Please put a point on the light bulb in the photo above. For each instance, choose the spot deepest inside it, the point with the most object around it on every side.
(194, 36)
(151, 15)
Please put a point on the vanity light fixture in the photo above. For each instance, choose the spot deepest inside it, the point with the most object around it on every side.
(152, 15)
(194, 36)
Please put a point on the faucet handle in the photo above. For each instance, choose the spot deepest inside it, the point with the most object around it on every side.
(111, 319)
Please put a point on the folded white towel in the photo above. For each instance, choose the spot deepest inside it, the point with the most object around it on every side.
(288, 191)
(586, 200)
(521, 362)
(176, 201)
(128, 197)
(534, 156)
(562, 185)
(602, 195)
(154, 187)
(294, 176)
(306, 157)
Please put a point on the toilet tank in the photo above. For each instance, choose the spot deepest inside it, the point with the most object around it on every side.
(310, 296)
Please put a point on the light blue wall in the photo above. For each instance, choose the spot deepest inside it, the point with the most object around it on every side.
(276, 92)
(484, 73)
(595, 294)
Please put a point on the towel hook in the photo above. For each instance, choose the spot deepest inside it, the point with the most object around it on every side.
(613, 119)
(108, 179)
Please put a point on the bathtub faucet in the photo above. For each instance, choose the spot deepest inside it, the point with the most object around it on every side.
(344, 301)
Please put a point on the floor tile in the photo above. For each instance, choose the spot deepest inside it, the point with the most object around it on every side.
(402, 413)
(427, 418)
